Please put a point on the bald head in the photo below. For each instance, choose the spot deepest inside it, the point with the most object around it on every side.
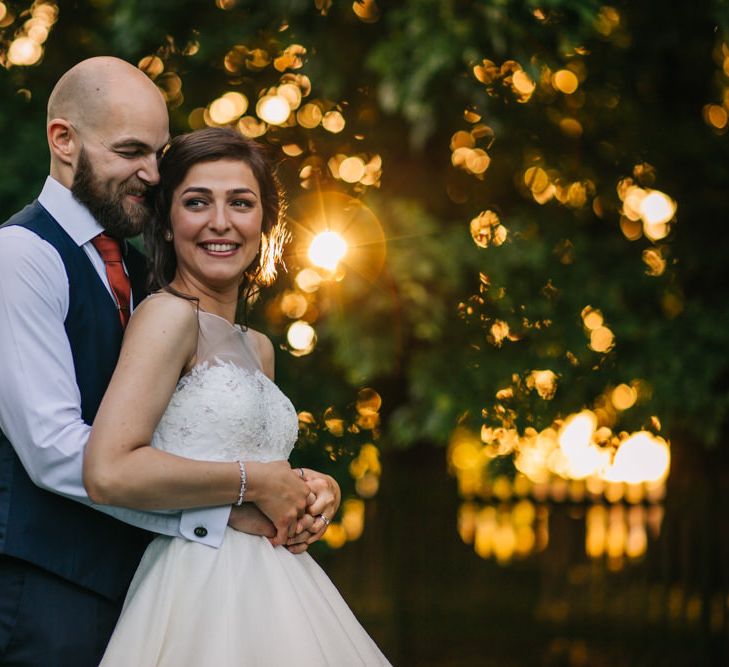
(107, 112)
(88, 91)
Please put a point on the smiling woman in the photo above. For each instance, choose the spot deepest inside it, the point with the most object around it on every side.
(215, 220)
(246, 194)
(211, 428)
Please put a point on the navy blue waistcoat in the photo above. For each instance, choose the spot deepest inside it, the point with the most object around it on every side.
(62, 536)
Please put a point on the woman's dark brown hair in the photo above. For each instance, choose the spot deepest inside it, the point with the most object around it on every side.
(210, 145)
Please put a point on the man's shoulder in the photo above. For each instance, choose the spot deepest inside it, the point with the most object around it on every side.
(31, 214)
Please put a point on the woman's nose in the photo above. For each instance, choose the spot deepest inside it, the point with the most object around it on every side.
(219, 219)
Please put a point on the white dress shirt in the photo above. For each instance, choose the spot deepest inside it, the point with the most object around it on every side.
(40, 402)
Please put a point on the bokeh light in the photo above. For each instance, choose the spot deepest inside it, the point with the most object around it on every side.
(273, 109)
(327, 249)
(26, 47)
(301, 338)
(312, 214)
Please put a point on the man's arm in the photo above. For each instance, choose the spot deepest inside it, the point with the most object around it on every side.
(40, 403)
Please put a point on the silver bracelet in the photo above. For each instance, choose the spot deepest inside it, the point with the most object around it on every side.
(243, 481)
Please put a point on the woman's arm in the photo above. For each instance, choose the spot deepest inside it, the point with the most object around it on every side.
(120, 468)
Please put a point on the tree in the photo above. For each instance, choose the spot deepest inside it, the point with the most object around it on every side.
(540, 128)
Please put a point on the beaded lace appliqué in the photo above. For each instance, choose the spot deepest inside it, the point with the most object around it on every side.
(222, 412)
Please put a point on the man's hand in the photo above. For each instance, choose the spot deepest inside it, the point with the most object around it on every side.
(249, 519)
(300, 534)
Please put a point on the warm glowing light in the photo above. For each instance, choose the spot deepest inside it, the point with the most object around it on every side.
(152, 66)
(657, 208)
(477, 161)
(643, 457)
(565, 81)
(716, 116)
(367, 11)
(335, 536)
(571, 127)
(368, 401)
(591, 317)
(3, 11)
(465, 454)
(498, 331)
(353, 514)
(545, 383)
(654, 262)
(583, 458)
(251, 127)
(291, 58)
(292, 150)
(327, 250)
(273, 109)
(308, 280)
(24, 51)
(486, 229)
(333, 122)
(301, 337)
(37, 30)
(239, 101)
(656, 232)
(333, 422)
(536, 179)
(293, 305)
(222, 111)
(352, 169)
(291, 93)
(462, 139)
(623, 397)
(309, 116)
(523, 84)
(602, 339)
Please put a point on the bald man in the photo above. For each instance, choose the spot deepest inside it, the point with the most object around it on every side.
(65, 564)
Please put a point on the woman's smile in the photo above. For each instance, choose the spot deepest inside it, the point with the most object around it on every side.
(219, 248)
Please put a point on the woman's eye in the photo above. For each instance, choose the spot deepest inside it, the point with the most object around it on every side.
(194, 203)
(243, 203)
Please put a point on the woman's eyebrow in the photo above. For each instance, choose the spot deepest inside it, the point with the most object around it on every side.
(204, 190)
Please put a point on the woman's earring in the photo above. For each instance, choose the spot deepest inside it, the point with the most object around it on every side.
(168, 234)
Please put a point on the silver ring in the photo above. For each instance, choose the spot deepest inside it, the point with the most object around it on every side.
(325, 519)
(301, 472)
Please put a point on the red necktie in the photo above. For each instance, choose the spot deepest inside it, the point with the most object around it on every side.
(118, 280)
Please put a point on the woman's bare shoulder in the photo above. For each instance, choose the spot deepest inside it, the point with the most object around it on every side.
(164, 317)
(162, 305)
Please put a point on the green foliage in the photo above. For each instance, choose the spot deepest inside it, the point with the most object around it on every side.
(418, 331)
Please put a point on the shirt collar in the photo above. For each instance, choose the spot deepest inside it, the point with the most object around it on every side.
(73, 216)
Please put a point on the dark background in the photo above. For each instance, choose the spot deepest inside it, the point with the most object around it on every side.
(413, 314)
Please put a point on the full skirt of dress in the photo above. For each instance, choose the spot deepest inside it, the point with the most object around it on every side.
(245, 604)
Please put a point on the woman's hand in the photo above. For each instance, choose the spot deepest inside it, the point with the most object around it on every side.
(320, 510)
(279, 492)
(327, 492)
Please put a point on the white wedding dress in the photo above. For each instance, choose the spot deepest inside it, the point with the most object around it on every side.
(246, 603)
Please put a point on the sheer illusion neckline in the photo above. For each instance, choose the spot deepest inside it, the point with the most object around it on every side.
(233, 325)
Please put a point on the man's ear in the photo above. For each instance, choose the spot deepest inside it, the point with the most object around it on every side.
(63, 141)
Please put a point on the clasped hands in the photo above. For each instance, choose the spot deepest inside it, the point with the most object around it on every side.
(293, 508)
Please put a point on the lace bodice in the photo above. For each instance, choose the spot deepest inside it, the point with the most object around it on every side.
(226, 408)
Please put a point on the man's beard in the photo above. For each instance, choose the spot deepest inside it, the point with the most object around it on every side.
(107, 205)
